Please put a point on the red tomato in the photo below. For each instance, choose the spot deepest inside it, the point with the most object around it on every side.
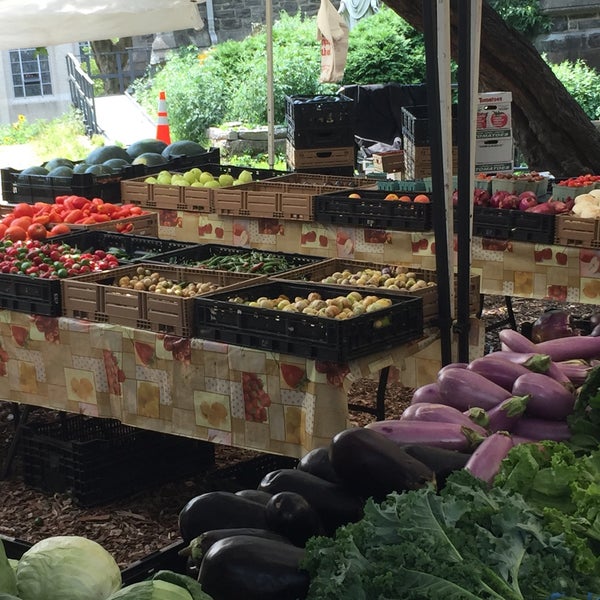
(36, 231)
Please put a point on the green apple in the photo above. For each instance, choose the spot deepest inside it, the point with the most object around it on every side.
(190, 176)
(196, 171)
(197, 184)
(237, 182)
(181, 181)
(225, 179)
(164, 178)
(212, 183)
(150, 180)
(245, 176)
(205, 176)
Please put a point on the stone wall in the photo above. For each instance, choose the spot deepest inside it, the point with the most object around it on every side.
(575, 33)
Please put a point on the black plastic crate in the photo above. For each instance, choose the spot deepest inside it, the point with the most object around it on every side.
(248, 473)
(373, 211)
(22, 293)
(342, 171)
(507, 224)
(166, 558)
(14, 547)
(99, 460)
(200, 255)
(326, 110)
(41, 188)
(127, 247)
(320, 137)
(220, 319)
(415, 124)
(235, 170)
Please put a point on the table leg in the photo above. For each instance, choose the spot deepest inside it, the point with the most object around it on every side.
(20, 420)
(379, 409)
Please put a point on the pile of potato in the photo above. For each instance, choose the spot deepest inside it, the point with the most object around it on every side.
(391, 278)
(150, 281)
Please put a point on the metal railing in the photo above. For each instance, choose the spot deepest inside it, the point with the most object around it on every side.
(81, 87)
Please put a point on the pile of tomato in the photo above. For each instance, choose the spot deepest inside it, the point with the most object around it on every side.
(41, 220)
(580, 181)
(51, 260)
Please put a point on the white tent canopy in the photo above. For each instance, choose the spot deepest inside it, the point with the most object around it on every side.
(37, 23)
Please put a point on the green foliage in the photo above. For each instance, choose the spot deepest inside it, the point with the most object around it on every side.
(385, 48)
(582, 82)
(523, 15)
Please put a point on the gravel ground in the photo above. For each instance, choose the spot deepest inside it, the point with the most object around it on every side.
(138, 525)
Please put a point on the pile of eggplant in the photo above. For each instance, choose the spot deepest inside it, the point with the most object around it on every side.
(250, 544)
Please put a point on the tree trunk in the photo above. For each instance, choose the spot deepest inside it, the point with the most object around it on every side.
(549, 127)
(107, 54)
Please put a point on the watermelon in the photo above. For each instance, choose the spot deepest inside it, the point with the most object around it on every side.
(99, 155)
(145, 145)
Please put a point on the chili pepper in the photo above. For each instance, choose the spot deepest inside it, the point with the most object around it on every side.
(256, 267)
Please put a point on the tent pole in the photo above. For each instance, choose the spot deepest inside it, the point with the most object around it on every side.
(436, 27)
(270, 93)
(469, 29)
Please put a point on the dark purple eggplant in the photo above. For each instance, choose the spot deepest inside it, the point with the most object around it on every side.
(485, 461)
(551, 324)
(441, 461)
(219, 510)
(334, 504)
(317, 462)
(290, 515)
(542, 429)
(464, 389)
(255, 495)
(505, 415)
(441, 435)
(548, 398)
(502, 372)
(441, 413)
(253, 568)
(430, 392)
(514, 341)
(568, 348)
(371, 465)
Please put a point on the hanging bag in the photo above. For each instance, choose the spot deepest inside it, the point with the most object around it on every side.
(332, 32)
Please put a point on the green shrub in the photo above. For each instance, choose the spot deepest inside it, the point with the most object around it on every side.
(582, 82)
(523, 15)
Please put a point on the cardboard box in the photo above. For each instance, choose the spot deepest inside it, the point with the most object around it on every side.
(494, 116)
(493, 155)
(388, 162)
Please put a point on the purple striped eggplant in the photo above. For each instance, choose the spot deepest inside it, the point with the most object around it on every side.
(465, 389)
(542, 429)
(430, 392)
(502, 372)
(485, 462)
(478, 415)
(504, 416)
(538, 363)
(511, 339)
(440, 413)
(456, 365)
(441, 435)
(548, 398)
(568, 348)
(576, 370)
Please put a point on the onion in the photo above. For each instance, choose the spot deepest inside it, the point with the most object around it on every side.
(552, 324)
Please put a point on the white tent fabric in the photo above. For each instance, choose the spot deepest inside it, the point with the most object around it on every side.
(38, 23)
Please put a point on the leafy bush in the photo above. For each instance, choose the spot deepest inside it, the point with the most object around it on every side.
(523, 15)
(582, 82)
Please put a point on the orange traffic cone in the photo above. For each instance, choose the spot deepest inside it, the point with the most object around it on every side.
(162, 125)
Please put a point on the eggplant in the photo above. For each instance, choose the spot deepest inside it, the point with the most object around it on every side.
(548, 398)
(253, 568)
(511, 339)
(441, 413)
(568, 348)
(534, 361)
(200, 545)
(441, 461)
(542, 429)
(464, 389)
(505, 415)
(456, 365)
(442, 435)
(255, 495)
(290, 515)
(502, 372)
(317, 462)
(485, 462)
(219, 510)
(430, 392)
(334, 504)
(576, 370)
(371, 465)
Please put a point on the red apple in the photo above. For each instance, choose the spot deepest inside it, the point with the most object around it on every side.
(219, 232)
(323, 241)
(561, 258)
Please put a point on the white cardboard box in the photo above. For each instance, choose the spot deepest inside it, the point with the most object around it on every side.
(494, 116)
(493, 155)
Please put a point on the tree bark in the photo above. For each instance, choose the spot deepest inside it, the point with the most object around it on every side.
(550, 129)
(105, 53)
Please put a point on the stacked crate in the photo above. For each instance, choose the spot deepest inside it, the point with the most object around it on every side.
(416, 142)
(320, 134)
(494, 140)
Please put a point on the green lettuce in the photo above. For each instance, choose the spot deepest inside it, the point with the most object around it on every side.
(466, 543)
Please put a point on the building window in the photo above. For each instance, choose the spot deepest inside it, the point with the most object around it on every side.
(30, 73)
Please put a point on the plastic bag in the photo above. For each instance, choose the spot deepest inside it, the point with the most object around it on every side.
(332, 31)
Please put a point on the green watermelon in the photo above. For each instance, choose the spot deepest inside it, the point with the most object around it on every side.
(98, 170)
(63, 171)
(35, 170)
(149, 158)
(58, 162)
(80, 167)
(104, 153)
(145, 145)
(116, 165)
(182, 148)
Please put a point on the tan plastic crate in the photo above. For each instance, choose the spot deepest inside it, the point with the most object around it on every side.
(162, 313)
(146, 224)
(319, 157)
(317, 272)
(575, 231)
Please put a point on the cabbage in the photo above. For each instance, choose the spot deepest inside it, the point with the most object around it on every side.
(152, 590)
(67, 567)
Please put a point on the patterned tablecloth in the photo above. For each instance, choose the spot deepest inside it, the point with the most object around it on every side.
(226, 394)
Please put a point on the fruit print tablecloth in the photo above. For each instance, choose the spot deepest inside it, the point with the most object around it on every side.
(226, 394)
